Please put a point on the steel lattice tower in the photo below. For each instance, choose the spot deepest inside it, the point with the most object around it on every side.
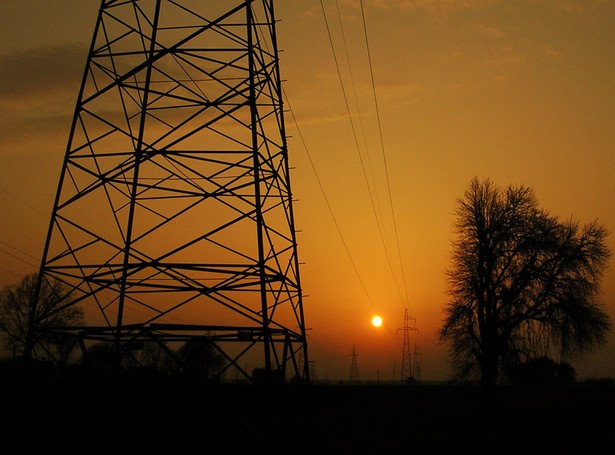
(354, 367)
(409, 372)
(173, 218)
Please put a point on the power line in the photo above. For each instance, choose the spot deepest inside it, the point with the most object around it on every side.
(40, 212)
(384, 158)
(348, 112)
(337, 65)
(20, 251)
(324, 194)
(17, 257)
(10, 272)
(377, 210)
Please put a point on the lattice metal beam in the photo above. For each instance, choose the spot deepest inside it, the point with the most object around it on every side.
(174, 204)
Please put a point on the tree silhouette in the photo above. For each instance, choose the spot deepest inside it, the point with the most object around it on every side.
(542, 370)
(26, 321)
(522, 284)
(200, 357)
(154, 356)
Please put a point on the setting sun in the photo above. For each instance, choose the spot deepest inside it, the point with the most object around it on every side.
(376, 321)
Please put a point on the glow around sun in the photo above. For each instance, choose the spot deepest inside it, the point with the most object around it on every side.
(376, 321)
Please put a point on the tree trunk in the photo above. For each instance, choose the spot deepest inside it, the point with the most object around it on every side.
(489, 373)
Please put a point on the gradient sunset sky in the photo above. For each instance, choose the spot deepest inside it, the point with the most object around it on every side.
(521, 92)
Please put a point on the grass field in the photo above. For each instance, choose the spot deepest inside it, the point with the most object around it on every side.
(143, 414)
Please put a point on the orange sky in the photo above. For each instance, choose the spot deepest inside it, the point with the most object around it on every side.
(520, 92)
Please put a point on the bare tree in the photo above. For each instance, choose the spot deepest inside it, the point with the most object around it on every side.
(200, 357)
(25, 321)
(154, 356)
(522, 284)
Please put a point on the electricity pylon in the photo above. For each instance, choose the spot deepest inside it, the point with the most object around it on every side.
(409, 370)
(354, 367)
(173, 217)
(416, 362)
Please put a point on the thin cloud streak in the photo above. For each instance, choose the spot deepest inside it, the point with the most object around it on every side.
(443, 8)
(39, 75)
(438, 8)
(38, 91)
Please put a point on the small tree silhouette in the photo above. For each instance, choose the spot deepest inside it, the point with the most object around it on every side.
(200, 357)
(542, 370)
(26, 321)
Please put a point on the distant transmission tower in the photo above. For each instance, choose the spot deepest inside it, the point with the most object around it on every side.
(354, 368)
(416, 362)
(409, 370)
(173, 217)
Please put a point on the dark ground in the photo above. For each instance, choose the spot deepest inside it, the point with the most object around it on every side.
(85, 413)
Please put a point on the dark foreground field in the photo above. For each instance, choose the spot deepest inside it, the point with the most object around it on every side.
(140, 414)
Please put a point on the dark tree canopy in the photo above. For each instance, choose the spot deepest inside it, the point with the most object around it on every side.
(542, 370)
(24, 320)
(522, 283)
(200, 357)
